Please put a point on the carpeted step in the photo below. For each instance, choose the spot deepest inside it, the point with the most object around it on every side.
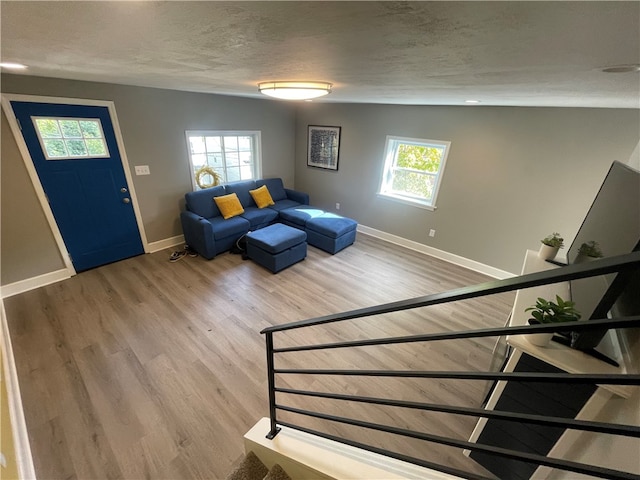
(251, 468)
(277, 473)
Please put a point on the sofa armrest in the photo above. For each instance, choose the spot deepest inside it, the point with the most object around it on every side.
(296, 196)
(198, 234)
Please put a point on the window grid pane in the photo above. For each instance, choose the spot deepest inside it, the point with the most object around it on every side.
(71, 138)
(55, 148)
(197, 144)
(413, 184)
(231, 156)
(48, 128)
(70, 129)
(413, 169)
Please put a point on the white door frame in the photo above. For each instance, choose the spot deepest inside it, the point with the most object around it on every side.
(35, 180)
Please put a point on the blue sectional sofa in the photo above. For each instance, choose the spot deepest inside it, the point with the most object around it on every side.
(208, 233)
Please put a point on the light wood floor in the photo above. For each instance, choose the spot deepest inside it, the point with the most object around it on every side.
(151, 369)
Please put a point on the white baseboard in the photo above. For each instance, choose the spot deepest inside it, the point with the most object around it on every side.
(22, 449)
(52, 277)
(434, 252)
(58, 275)
(34, 282)
(166, 243)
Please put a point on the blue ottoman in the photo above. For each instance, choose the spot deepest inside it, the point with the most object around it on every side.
(277, 246)
(331, 232)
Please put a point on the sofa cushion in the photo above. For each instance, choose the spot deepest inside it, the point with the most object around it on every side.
(222, 228)
(300, 214)
(241, 189)
(262, 197)
(258, 217)
(201, 202)
(284, 204)
(229, 205)
(275, 186)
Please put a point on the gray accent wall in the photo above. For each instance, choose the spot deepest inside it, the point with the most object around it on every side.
(513, 175)
(27, 246)
(153, 124)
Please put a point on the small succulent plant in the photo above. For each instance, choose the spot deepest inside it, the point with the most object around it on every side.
(545, 311)
(553, 240)
(590, 249)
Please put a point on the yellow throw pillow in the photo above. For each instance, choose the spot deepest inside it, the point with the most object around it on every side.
(262, 197)
(229, 205)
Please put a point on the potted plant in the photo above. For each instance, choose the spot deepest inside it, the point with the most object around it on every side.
(546, 311)
(588, 251)
(550, 246)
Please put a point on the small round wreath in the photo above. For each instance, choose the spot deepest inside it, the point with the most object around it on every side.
(207, 170)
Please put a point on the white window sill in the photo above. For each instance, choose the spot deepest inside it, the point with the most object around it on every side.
(406, 201)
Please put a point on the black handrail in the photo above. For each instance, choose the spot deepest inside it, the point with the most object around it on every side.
(623, 263)
(622, 322)
(498, 451)
(587, 426)
(564, 378)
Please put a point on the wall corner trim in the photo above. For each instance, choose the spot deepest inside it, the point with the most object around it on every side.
(34, 282)
(24, 459)
(434, 252)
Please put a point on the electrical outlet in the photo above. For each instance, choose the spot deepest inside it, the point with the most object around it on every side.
(337, 206)
(432, 233)
(143, 170)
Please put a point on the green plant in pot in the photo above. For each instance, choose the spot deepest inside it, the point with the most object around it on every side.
(588, 251)
(548, 311)
(551, 244)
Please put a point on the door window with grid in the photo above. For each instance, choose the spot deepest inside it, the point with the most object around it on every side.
(234, 156)
(63, 138)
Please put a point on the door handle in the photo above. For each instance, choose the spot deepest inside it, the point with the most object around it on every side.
(126, 200)
(123, 190)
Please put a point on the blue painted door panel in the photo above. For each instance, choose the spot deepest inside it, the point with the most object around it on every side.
(89, 197)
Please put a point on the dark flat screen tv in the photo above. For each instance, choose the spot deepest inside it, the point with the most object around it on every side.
(613, 221)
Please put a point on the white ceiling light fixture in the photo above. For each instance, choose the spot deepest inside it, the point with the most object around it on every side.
(472, 102)
(295, 90)
(12, 66)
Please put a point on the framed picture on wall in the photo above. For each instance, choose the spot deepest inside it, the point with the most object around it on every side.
(323, 147)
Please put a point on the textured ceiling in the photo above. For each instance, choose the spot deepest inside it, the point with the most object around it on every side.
(425, 53)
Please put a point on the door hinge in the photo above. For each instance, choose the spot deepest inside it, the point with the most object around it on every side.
(19, 124)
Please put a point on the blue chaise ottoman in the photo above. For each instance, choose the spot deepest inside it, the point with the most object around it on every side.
(331, 232)
(277, 246)
(298, 216)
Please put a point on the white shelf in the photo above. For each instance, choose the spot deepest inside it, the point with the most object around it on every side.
(561, 356)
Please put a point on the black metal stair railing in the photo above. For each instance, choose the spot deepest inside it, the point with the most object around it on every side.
(623, 263)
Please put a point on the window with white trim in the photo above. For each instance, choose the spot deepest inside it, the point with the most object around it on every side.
(233, 156)
(413, 170)
(63, 138)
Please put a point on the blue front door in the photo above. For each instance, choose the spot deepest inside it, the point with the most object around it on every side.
(83, 180)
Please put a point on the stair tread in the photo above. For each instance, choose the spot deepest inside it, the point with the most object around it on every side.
(250, 468)
(277, 473)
